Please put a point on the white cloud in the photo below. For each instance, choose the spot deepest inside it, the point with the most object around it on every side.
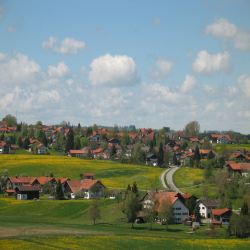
(211, 106)
(209, 64)
(3, 56)
(228, 31)
(244, 82)
(84, 71)
(189, 84)
(60, 71)
(70, 81)
(157, 21)
(68, 45)
(161, 70)
(113, 71)
(10, 28)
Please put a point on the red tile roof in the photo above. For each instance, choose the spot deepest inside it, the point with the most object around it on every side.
(82, 184)
(18, 179)
(165, 200)
(219, 211)
(220, 136)
(44, 180)
(206, 151)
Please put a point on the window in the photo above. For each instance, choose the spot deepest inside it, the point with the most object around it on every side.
(185, 213)
(178, 208)
(203, 207)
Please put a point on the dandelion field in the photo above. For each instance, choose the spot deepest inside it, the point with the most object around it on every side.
(112, 174)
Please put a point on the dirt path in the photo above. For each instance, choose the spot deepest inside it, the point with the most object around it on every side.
(169, 178)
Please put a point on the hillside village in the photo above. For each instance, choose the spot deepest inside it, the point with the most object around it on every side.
(157, 148)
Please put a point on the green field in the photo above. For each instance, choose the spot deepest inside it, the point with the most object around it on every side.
(217, 147)
(112, 174)
(65, 225)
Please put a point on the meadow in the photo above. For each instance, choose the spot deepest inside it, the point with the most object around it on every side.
(112, 174)
(218, 149)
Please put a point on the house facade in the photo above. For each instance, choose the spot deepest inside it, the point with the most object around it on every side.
(206, 206)
(222, 215)
(27, 192)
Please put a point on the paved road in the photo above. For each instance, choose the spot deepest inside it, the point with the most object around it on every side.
(162, 179)
(170, 182)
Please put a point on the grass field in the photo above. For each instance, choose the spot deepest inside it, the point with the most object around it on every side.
(185, 176)
(217, 147)
(112, 174)
(197, 191)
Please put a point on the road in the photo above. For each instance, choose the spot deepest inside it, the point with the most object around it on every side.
(169, 178)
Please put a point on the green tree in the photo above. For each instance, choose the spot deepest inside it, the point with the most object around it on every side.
(26, 143)
(166, 211)
(190, 204)
(160, 155)
(175, 159)
(39, 124)
(244, 209)
(207, 145)
(197, 213)
(135, 189)
(59, 193)
(19, 141)
(154, 141)
(244, 140)
(11, 120)
(210, 155)
(113, 150)
(131, 207)
(192, 128)
(208, 170)
(69, 141)
(94, 210)
(184, 144)
(77, 143)
(95, 128)
(89, 154)
(84, 142)
(197, 153)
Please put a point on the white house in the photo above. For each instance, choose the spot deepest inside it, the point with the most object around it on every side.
(86, 188)
(41, 149)
(206, 206)
(157, 200)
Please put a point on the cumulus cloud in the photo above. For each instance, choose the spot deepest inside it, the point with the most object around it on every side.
(161, 70)
(60, 71)
(229, 32)
(68, 45)
(189, 84)
(244, 82)
(84, 71)
(157, 21)
(116, 70)
(209, 64)
(3, 56)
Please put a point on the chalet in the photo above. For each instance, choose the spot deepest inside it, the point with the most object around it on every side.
(79, 153)
(217, 138)
(156, 200)
(185, 159)
(87, 188)
(48, 131)
(185, 137)
(41, 149)
(151, 158)
(4, 148)
(61, 130)
(94, 137)
(3, 124)
(239, 157)
(4, 130)
(222, 215)
(206, 206)
(16, 181)
(114, 141)
(41, 181)
(87, 176)
(63, 182)
(205, 152)
(27, 192)
(241, 168)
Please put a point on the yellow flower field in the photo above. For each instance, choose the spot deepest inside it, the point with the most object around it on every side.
(112, 174)
(121, 242)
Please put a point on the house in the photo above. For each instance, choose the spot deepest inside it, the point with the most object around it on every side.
(4, 148)
(3, 124)
(217, 138)
(222, 215)
(4, 130)
(144, 131)
(185, 159)
(95, 137)
(16, 181)
(87, 176)
(151, 158)
(185, 137)
(79, 153)
(241, 168)
(112, 195)
(41, 149)
(87, 188)
(156, 200)
(63, 182)
(206, 206)
(41, 181)
(205, 152)
(239, 157)
(27, 192)
(114, 141)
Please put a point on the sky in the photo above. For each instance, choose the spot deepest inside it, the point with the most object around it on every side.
(144, 63)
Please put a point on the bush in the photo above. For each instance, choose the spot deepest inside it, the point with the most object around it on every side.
(197, 182)
(212, 232)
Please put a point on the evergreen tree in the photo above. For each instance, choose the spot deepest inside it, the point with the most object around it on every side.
(160, 156)
(89, 154)
(69, 141)
(26, 143)
(244, 209)
(113, 150)
(210, 155)
(197, 213)
(151, 149)
(135, 189)
(59, 192)
(174, 159)
(166, 140)
(197, 154)
(19, 141)
(154, 141)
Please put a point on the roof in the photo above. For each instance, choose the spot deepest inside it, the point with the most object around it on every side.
(18, 179)
(82, 151)
(2, 144)
(194, 139)
(28, 188)
(157, 195)
(210, 202)
(165, 201)
(217, 136)
(238, 155)
(44, 180)
(186, 196)
(240, 166)
(3, 123)
(82, 184)
(62, 180)
(219, 211)
(206, 151)
(10, 191)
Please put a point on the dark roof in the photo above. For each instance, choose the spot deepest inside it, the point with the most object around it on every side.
(150, 155)
(210, 203)
(28, 188)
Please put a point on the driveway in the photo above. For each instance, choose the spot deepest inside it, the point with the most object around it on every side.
(170, 182)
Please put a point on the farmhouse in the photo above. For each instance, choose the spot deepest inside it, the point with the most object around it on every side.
(217, 138)
(241, 168)
(222, 215)
(4, 148)
(13, 182)
(27, 192)
(206, 206)
(87, 188)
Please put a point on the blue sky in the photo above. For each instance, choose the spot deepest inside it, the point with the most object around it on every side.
(147, 63)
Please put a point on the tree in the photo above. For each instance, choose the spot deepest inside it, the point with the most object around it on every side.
(26, 143)
(175, 159)
(208, 171)
(244, 140)
(59, 192)
(149, 212)
(77, 143)
(192, 128)
(160, 155)
(113, 150)
(197, 155)
(19, 141)
(154, 141)
(210, 155)
(205, 190)
(207, 145)
(69, 140)
(89, 154)
(135, 189)
(117, 194)
(39, 124)
(48, 188)
(11, 120)
(95, 128)
(166, 210)
(131, 207)
(197, 213)
(190, 204)
(167, 157)
(184, 144)
(94, 210)
(84, 142)
(244, 209)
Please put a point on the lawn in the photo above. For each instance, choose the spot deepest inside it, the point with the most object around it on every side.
(112, 174)
(20, 152)
(217, 147)
(185, 176)
(197, 191)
